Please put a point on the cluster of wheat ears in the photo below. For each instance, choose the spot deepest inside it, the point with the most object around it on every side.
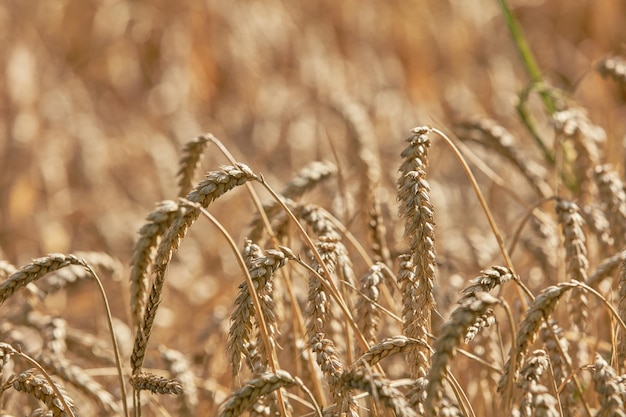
(310, 334)
(331, 318)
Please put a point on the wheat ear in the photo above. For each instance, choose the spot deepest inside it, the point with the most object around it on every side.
(158, 221)
(445, 347)
(576, 257)
(612, 200)
(257, 387)
(306, 179)
(419, 228)
(34, 271)
(540, 309)
(368, 314)
(536, 400)
(261, 266)
(212, 187)
(38, 387)
(610, 394)
(488, 132)
(76, 376)
(380, 389)
(155, 384)
(192, 153)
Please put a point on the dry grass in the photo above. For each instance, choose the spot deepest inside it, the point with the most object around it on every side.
(350, 291)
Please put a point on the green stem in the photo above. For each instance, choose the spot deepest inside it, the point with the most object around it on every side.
(526, 54)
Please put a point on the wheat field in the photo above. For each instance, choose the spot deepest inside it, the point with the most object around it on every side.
(273, 208)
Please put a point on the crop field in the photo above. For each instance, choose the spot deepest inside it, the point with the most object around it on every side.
(322, 208)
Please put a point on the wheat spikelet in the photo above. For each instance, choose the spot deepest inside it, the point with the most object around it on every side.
(158, 221)
(38, 387)
(489, 133)
(613, 67)
(155, 384)
(379, 389)
(192, 152)
(34, 271)
(246, 396)
(610, 394)
(612, 200)
(208, 190)
(576, 257)
(76, 376)
(178, 366)
(446, 345)
(540, 309)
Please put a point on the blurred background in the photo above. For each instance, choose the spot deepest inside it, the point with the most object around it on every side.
(97, 99)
